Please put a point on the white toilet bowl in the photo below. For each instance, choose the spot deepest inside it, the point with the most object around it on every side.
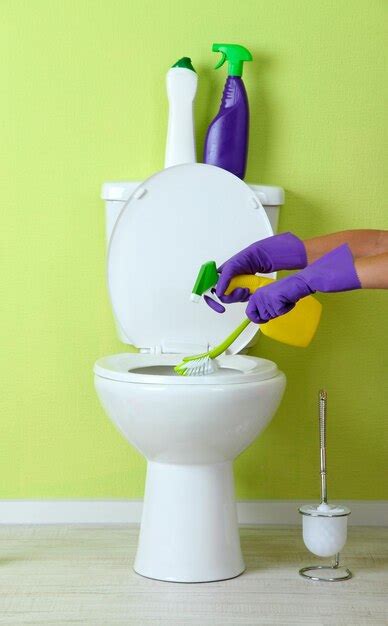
(189, 430)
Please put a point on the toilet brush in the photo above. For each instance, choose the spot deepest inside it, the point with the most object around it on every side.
(324, 525)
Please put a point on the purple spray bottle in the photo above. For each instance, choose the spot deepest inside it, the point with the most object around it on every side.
(226, 143)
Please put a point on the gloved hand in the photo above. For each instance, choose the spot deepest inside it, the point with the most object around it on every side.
(334, 271)
(280, 252)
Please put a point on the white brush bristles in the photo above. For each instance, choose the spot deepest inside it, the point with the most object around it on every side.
(197, 367)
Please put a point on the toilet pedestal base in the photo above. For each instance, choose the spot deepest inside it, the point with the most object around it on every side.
(189, 531)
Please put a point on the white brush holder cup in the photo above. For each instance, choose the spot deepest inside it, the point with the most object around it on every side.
(324, 534)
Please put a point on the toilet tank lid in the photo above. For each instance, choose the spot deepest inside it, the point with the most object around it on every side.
(175, 221)
(121, 191)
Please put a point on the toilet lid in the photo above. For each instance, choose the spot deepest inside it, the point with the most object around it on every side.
(175, 221)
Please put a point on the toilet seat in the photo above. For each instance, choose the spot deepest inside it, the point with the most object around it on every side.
(234, 369)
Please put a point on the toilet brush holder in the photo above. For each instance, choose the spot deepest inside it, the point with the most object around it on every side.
(325, 526)
(324, 534)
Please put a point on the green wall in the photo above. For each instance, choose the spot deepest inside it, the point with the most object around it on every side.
(83, 101)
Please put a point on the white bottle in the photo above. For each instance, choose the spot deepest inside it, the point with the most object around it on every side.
(181, 81)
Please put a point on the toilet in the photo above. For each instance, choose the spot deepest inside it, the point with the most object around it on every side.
(189, 429)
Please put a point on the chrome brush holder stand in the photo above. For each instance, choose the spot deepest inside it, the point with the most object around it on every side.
(324, 526)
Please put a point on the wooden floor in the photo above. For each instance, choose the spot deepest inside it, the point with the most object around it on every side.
(83, 575)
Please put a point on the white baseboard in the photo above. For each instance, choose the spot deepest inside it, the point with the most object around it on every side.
(364, 512)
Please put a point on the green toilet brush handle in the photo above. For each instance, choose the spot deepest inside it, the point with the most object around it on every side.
(222, 347)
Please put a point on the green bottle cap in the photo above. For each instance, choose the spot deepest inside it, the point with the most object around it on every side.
(234, 54)
(184, 62)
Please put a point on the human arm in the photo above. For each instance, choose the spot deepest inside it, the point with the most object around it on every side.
(373, 271)
(287, 251)
(362, 243)
(335, 271)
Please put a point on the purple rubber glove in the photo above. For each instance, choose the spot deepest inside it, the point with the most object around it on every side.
(280, 252)
(334, 271)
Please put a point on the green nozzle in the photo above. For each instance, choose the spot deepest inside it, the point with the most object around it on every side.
(184, 62)
(206, 279)
(234, 54)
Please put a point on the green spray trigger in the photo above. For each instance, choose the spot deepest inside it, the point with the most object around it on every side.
(222, 59)
(234, 54)
(206, 279)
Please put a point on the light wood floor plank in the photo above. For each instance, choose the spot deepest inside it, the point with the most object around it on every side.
(58, 575)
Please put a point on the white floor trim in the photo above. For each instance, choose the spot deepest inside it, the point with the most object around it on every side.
(364, 512)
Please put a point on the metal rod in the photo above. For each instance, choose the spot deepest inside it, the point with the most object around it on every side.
(322, 442)
(308, 572)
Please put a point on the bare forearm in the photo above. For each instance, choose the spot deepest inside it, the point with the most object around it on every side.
(373, 271)
(363, 243)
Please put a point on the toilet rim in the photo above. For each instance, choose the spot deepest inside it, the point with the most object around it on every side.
(121, 367)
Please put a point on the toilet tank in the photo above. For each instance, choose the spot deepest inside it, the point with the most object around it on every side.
(116, 194)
